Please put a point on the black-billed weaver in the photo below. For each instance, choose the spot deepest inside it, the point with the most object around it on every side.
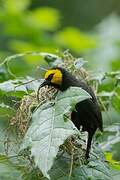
(87, 113)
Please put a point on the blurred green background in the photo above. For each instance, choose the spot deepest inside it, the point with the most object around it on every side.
(89, 29)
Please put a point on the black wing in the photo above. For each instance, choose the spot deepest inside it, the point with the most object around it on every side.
(88, 115)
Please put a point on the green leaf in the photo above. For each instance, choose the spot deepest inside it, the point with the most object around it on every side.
(96, 169)
(99, 77)
(116, 99)
(5, 73)
(6, 111)
(8, 169)
(74, 39)
(114, 164)
(106, 94)
(49, 130)
(12, 6)
(79, 63)
(20, 85)
(45, 18)
(49, 57)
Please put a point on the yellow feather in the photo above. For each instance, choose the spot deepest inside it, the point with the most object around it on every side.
(57, 77)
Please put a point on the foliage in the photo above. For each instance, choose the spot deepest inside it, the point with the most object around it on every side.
(26, 31)
(48, 137)
(39, 29)
(47, 133)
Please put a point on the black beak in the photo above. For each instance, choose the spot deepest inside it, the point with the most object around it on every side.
(45, 82)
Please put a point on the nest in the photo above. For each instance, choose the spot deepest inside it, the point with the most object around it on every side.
(28, 104)
(68, 63)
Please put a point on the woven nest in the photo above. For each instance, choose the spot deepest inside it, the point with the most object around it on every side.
(29, 102)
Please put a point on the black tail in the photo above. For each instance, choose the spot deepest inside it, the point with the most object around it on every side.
(90, 136)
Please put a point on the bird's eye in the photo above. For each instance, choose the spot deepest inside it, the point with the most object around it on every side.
(50, 77)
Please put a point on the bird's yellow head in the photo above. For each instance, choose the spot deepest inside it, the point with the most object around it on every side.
(59, 78)
(54, 76)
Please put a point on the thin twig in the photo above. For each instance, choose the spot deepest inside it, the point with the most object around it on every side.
(9, 157)
(114, 163)
(71, 164)
(27, 82)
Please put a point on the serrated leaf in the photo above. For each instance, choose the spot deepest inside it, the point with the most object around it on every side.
(19, 85)
(49, 130)
(96, 169)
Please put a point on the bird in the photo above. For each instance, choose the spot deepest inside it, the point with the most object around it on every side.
(87, 113)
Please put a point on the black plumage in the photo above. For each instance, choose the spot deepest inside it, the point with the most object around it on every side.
(87, 113)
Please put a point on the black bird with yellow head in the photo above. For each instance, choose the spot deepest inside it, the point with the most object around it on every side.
(87, 113)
